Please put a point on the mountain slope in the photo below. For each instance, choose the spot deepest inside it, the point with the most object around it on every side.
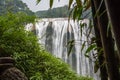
(14, 6)
(60, 12)
(53, 13)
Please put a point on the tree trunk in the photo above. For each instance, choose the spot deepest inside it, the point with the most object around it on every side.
(107, 42)
(103, 71)
(114, 15)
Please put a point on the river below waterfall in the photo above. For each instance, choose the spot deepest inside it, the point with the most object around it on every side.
(56, 34)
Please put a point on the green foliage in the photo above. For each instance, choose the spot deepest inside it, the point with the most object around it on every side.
(70, 3)
(14, 6)
(79, 9)
(70, 46)
(12, 32)
(90, 48)
(62, 12)
(30, 57)
(54, 13)
(38, 1)
(46, 67)
(51, 3)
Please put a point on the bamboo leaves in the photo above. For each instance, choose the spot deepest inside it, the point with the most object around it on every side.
(70, 45)
(87, 4)
(91, 47)
(79, 3)
(51, 3)
(38, 1)
(70, 3)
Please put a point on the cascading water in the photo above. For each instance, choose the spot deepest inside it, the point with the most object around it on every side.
(56, 34)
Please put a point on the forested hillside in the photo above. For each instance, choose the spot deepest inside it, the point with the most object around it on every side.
(13, 6)
(54, 13)
(60, 12)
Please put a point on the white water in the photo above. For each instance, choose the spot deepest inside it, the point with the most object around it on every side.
(55, 34)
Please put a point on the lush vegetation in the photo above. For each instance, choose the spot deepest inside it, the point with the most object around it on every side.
(23, 45)
(54, 13)
(30, 57)
(14, 6)
(61, 12)
(38, 65)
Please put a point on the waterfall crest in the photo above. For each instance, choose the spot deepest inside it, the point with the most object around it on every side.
(55, 35)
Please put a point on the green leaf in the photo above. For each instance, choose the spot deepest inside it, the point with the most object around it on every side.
(38, 1)
(96, 66)
(90, 28)
(90, 48)
(70, 49)
(75, 13)
(70, 2)
(100, 51)
(83, 45)
(85, 1)
(86, 55)
(93, 40)
(79, 13)
(51, 3)
(82, 25)
(70, 46)
(79, 3)
(87, 4)
(71, 42)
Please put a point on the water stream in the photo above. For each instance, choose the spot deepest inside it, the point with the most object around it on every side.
(56, 35)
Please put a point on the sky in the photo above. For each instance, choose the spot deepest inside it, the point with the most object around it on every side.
(44, 4)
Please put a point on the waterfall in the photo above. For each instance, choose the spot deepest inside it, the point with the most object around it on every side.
(56, 34)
